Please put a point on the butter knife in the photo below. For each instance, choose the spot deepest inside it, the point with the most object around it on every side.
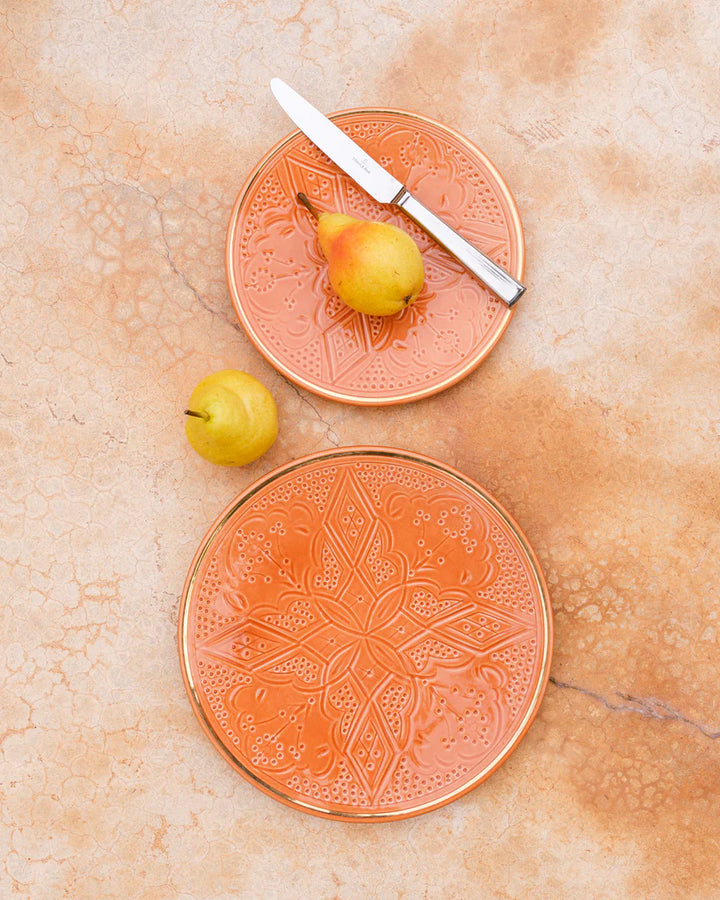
(385, 188)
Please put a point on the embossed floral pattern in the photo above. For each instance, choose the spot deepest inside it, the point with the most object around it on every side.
(366, 635)
(278, 277)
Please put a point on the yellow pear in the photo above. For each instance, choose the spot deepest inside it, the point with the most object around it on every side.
(232, 418)
(374, 267)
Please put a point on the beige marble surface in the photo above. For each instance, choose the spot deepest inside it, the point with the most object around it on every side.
(127, 127)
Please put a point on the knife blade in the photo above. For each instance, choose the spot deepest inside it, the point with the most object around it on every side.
(385, 188)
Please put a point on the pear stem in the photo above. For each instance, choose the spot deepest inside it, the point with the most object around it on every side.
(198, 415)
(308, 205)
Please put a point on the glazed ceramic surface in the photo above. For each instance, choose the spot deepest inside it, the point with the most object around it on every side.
(278, 279)
(128, 128)
(365, 634)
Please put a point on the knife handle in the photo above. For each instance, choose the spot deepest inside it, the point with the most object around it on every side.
(492, 275)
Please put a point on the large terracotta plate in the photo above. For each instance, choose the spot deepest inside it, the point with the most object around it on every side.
(365, 634)
(278, 281)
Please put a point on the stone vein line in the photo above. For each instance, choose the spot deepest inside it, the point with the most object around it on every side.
(649, 707)
(330, 434)
(155, 201)
(184, 279)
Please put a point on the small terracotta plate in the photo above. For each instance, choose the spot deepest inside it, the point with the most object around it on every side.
(277, 275)
(365, 634)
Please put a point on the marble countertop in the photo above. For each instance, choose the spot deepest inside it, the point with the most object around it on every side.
(127, 128)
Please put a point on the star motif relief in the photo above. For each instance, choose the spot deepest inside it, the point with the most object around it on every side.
(342, 659)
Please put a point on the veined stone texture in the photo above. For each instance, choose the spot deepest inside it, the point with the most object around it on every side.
(127, 128)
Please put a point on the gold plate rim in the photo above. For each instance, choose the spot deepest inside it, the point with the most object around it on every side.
(384, 452)
(473, 360)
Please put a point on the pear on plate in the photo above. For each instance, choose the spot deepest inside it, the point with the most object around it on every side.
(374, 267)
(231, 418)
